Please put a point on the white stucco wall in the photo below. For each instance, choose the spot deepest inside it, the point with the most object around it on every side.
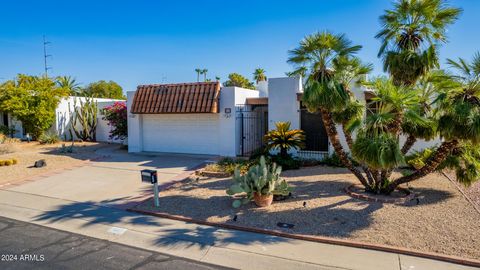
(198, 133)
(63, 116)
(282, 101)
(134, 122)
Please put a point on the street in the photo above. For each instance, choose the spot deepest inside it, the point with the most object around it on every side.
(28, 246)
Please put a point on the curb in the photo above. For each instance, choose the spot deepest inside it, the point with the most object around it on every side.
(408, 197)
(319, 239)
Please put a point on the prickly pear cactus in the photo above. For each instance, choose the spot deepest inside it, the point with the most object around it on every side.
(260, 178)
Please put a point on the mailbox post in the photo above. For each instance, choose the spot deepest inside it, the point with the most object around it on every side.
(150, 176)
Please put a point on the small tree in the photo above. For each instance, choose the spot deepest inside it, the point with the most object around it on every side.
(104, 89)
(283, 138)
(116, 115)
(32, 100)
(84, 120)
(235, 79)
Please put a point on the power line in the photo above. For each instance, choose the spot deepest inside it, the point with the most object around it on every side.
(45, 56)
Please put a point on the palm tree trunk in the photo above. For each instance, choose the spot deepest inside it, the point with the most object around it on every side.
(440, 155)
(408, 144)
(332, 134)
(349, 139)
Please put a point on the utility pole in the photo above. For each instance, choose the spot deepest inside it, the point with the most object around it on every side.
(45, 56)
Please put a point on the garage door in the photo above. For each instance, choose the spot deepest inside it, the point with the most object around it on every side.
(181, 133)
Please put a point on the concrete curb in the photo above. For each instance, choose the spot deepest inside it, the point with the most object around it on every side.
(319, 239)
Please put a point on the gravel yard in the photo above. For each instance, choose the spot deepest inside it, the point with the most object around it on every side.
(440, 221)
(28, 153)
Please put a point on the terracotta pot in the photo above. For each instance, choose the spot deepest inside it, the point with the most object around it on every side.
(262, 200)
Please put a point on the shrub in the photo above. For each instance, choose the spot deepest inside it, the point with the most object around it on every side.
(2, 163)
(287, 163)
(48, 138)
(116, 115)
(8, 162)
(14, 161)
(332, 160)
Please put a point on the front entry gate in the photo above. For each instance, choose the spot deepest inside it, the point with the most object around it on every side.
(252, 125)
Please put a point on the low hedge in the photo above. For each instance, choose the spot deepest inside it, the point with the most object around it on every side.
(8, 162)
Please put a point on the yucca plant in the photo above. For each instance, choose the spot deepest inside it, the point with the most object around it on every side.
(283, 138)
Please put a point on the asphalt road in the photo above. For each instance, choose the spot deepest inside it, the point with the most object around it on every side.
(29, 246)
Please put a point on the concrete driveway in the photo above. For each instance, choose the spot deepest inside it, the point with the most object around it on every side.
(114, 181)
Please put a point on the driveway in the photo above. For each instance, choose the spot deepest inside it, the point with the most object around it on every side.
(114, 181)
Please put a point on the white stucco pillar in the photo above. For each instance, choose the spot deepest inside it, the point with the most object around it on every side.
(135, 127)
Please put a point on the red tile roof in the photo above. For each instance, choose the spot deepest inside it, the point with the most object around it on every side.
(199, 97)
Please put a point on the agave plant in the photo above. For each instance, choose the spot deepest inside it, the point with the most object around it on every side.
(262, 179)
(283, 138)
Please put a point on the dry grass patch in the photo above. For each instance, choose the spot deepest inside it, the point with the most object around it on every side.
(442, 221)
(27, 153)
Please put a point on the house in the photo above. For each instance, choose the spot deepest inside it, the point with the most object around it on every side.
(206, 118)
(63, 114)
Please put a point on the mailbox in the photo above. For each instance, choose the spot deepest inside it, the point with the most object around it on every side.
(149, 176)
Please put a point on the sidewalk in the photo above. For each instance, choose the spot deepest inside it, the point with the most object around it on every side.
(203, 243)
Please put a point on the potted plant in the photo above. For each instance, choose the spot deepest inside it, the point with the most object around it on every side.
(260, 183)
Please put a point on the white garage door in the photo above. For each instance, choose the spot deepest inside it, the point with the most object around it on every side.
(181, 133)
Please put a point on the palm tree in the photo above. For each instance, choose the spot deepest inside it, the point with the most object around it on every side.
(69, 84)
(459, 125)
(284, 138)
(204, 72)
(217, 78)
(320, 57)
(198, 71)
(259, 75)
(410, 32)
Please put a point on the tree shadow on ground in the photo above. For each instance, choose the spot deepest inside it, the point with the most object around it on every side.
(204, 236)
(105, 212)
(316, 208)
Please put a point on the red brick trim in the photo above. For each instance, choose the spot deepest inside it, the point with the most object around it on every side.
(371, 198)
(212, 174)
(319, 239)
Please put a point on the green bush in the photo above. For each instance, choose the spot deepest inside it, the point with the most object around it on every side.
(287, 163)
(48, 138)
(14, 161)
(8, 162)
(333, 160)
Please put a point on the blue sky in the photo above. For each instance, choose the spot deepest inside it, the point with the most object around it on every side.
(141, 42)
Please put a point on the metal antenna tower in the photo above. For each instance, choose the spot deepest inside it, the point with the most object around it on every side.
(45, 55)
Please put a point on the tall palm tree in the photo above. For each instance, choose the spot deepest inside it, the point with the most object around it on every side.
(259, 75)
(204, 72)
(198, 71)
(410, 34)
(70, 84)
(319, 56)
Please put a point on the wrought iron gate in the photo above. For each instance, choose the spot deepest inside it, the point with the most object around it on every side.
(252, 125)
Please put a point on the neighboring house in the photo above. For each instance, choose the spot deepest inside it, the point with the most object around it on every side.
(205, 118)
(63, 115)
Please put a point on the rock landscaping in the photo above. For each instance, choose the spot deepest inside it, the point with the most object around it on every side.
(439, 219)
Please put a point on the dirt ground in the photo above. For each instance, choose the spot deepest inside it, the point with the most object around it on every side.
(28, 153)
(440, 221)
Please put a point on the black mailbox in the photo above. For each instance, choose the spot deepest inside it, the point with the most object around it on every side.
(149, 176)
